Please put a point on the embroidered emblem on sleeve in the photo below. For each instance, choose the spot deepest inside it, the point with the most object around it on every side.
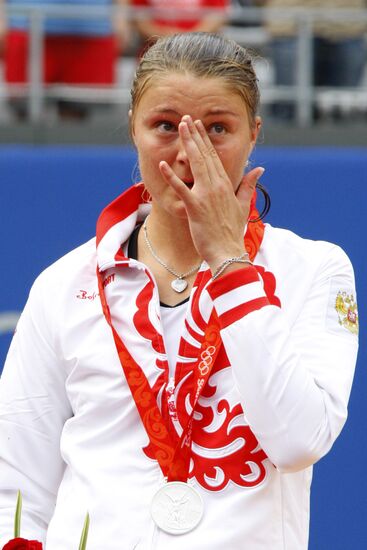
(347, 311)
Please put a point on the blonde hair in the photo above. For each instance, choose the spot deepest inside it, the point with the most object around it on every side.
(203, 55)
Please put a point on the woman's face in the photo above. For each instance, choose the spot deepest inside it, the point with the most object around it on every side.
(155, 123)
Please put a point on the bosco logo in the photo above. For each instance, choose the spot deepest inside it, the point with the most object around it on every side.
(206, 360)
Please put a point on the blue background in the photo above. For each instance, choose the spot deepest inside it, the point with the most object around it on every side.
(49, 201)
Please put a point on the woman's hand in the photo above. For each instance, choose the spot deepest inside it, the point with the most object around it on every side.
(217, 213)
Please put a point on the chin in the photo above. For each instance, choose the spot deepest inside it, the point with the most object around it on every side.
(178, 210)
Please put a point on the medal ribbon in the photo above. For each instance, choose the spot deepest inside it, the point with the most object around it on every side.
(171, 451)
(179, 468)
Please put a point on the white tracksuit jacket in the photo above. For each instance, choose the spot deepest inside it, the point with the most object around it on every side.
(71, 438)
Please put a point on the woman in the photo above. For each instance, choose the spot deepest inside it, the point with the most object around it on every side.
(187, 411)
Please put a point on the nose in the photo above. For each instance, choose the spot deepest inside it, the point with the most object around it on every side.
(181, 156)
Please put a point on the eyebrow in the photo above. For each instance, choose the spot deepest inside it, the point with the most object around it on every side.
(164, 111)
(212, 112)
(218, 111)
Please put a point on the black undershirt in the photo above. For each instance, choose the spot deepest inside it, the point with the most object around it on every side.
(132, 252)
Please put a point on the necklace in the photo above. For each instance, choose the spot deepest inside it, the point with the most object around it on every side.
(179, 284)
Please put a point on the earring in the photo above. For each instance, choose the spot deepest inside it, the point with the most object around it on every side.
(146, 196)
(135, 174)
(267, 203)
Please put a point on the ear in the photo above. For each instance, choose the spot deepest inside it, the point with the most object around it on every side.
(255, 130)
(131, 126)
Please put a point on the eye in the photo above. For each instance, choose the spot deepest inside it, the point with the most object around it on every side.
(165, 126)
(217, 129)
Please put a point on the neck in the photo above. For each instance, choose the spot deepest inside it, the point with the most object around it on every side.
(171, 240)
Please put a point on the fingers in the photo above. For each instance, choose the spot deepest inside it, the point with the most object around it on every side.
(207, 169)
(197, 160)
(207, 148)
(247, 186)
(205, 163)
(176, 183)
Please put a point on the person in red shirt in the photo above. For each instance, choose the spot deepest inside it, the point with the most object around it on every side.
(76, 51)
(164, 24)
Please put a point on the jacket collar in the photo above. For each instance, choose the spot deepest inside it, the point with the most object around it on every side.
(118, 220)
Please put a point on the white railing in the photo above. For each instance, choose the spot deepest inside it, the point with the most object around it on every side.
(303, 92)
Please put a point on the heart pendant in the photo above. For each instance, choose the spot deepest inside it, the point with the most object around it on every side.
(179, 285)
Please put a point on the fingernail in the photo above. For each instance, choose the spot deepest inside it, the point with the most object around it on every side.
(261, 171)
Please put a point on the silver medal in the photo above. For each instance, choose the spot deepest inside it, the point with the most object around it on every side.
(177, 508)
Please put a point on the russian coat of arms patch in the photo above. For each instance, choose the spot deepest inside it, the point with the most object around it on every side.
(346, 308)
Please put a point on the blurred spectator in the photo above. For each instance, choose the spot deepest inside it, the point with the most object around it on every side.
(238, 4)
(77, 51)
(161, 24)
(339, 48)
